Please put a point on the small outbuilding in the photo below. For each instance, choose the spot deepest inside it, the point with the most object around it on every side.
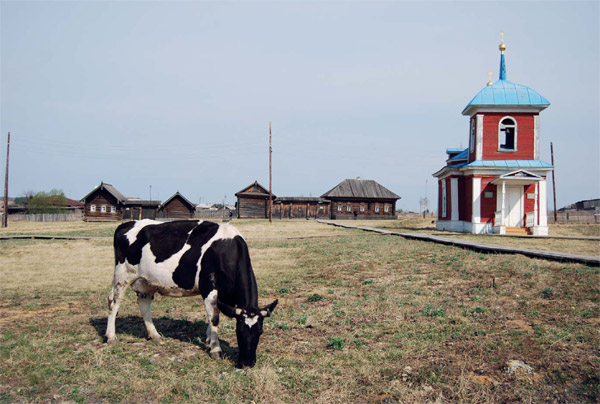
(361, 199)
(300, 208)
(177, 207)
(137, 209)
(253, 202)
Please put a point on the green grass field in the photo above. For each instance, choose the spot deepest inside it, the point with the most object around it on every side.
(362, 318)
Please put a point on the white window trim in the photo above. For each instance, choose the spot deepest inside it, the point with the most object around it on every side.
(386, 208)
(500, 125)
(92, 208)
(348, 208)
(362, 208)
(113, 209)
(444, 197)
(376, 208)
(103, 208)
(339, 207)
(472, 138)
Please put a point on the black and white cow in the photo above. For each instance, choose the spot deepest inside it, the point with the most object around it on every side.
(187, 258)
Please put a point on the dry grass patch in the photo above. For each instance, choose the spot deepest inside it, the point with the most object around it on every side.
(362, 317)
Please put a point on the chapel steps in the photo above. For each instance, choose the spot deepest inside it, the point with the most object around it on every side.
(518, 231)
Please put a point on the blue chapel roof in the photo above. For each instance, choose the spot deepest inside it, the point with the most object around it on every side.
(504, 92)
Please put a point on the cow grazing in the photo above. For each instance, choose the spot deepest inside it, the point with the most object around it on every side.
(188, 258)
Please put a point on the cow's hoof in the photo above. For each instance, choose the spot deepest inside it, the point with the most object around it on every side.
(157, 340)
(216, 355)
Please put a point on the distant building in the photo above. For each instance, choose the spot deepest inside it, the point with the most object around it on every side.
(589, 204)
(253, 201)
(177, 207)
(300, 207)
(361, 199)
(498, 183)
(106, 203)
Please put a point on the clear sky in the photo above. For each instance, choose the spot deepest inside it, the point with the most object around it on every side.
(179, 95)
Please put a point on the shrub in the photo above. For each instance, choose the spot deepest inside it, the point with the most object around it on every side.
(477, 311)
(336, 343)
(548, 293)
(315, 298)
(431, 311)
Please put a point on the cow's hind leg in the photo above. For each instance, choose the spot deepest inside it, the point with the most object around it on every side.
(212, 336)
(145, 294)
(121, 281)
(145, 301)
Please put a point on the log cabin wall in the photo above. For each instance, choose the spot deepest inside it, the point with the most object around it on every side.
(300, 209)
(252, 207)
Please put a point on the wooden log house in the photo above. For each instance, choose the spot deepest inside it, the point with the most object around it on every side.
(177, 207)
(300, 208)
(106, 203)
(361, 199)
(253, 201)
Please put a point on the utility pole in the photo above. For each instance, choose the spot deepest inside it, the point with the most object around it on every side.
(270, 176)
(150, 192)
(5, 217)
(553, 181)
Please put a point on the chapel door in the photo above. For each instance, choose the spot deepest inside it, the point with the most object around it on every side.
(515, 206)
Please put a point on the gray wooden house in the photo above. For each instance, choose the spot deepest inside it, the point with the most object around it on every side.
(106, 203)
(253, 201)
(177, 207)
(361, 199)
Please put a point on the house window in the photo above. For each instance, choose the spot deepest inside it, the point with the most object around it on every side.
(92, 208)
(113, 209)
(386, 208)
(507, 135)
(376, 208)
(444, 198)
(348, 208)
(362, 208)
(103, 208)
(339, 208)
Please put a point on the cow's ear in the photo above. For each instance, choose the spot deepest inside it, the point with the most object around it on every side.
(267, 310)
(228, 310)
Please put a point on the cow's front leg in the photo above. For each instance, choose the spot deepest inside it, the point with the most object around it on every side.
(212, 336)
(145, 301)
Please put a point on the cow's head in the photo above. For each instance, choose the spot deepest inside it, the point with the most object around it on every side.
(248, 329)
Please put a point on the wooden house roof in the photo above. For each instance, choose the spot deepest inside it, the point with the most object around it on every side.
(254, 189)
(110, 189)
(141, 202)
(359, 188)
(190, 205)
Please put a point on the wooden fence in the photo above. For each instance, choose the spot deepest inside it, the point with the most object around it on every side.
(213, 214)
(575, 216)
(46, 217)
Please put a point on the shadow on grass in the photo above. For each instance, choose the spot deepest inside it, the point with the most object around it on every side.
(182, 330)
